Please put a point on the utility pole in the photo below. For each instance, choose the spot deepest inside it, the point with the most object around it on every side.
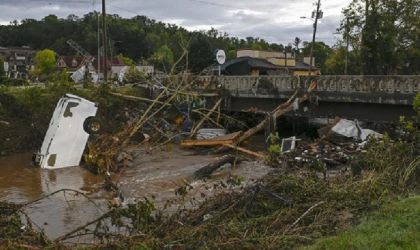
(347, 45)
(105, 41)
(285, 57)
(317, 15)
(99, 49)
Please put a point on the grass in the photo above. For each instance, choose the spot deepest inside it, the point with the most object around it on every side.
(395, 226)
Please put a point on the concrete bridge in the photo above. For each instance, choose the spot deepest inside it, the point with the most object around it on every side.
(367, 98)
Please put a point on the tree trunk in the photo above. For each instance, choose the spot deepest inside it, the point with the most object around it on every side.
(279, 111)
(207, 170)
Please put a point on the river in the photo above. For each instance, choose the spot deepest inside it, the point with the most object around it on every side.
(157, 174)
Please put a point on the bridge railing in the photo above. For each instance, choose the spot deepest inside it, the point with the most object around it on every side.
(375, 89)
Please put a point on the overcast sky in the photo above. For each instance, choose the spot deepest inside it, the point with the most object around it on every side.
(274, 20)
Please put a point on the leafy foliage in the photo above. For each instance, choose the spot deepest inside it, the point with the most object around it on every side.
(133, 75)
(320, 53)
(163, 59)
(142, 39)
(127, 61)
(44, 62)
(384, 33)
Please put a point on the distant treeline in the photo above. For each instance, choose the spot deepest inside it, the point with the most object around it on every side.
(140, 38)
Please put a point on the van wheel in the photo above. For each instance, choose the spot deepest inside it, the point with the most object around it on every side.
(92, 125)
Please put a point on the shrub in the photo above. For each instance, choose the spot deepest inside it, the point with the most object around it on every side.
(14, 82)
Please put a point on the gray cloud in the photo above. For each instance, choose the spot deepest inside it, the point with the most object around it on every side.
(272, 20)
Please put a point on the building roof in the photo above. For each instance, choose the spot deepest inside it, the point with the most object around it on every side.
(68, 60)
(232, 66)
(304, 66)
(116, 61)
(253, 62)
(261, 50)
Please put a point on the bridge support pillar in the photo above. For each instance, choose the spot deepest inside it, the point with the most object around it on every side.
(271, 125)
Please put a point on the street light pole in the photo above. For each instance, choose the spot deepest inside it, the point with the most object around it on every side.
(313, 38)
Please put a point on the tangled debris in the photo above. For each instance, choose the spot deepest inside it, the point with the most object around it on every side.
(287, 208)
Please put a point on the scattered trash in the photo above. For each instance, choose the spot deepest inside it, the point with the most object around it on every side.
(214, 141)
(351, 129)
(321, 153)
(207, 217)
(288, 144)
(209, 133)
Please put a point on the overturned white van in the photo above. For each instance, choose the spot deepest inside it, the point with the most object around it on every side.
(72, 122)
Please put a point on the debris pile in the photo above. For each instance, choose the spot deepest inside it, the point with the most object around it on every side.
(320, 153)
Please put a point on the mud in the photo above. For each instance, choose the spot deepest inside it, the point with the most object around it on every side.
(156, 175)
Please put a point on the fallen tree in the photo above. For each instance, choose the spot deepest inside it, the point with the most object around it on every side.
(276, 113)
(210, 168)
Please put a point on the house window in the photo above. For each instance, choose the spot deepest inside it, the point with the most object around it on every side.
(74, 63)
(62, 64)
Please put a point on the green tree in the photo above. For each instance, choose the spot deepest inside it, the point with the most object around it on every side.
(387, 33)
(200, 53)
(133, 75)
(126, 60)
(232, 54)
(256, 46)
(44, 62)
(277, 47)
(321, 52)
(296, 43)
(163, 59)
(335, 64)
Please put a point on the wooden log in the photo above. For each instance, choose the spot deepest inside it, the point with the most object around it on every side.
(207, 170)
(205, 142)
(279, 111)
(245, 150)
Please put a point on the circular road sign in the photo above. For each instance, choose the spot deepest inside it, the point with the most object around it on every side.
(221, 56)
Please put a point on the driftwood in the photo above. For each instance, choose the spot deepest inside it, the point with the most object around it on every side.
(135, 98)
(279, 111)
(207, 170)
(245, 151)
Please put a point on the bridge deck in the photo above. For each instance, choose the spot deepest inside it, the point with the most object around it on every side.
(373, 98)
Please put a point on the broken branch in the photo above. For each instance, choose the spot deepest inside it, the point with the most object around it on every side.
(205, 117)
(61, 238)
(279, 111)
(303, 215)
(245, 150)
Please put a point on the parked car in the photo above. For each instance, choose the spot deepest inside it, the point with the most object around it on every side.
(72, 122)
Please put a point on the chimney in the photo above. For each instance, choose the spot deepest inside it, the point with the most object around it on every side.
(308, 59)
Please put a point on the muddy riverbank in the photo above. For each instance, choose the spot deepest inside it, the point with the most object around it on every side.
(155, 175)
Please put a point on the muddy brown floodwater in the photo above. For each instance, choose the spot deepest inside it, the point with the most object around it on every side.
(156, 175)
